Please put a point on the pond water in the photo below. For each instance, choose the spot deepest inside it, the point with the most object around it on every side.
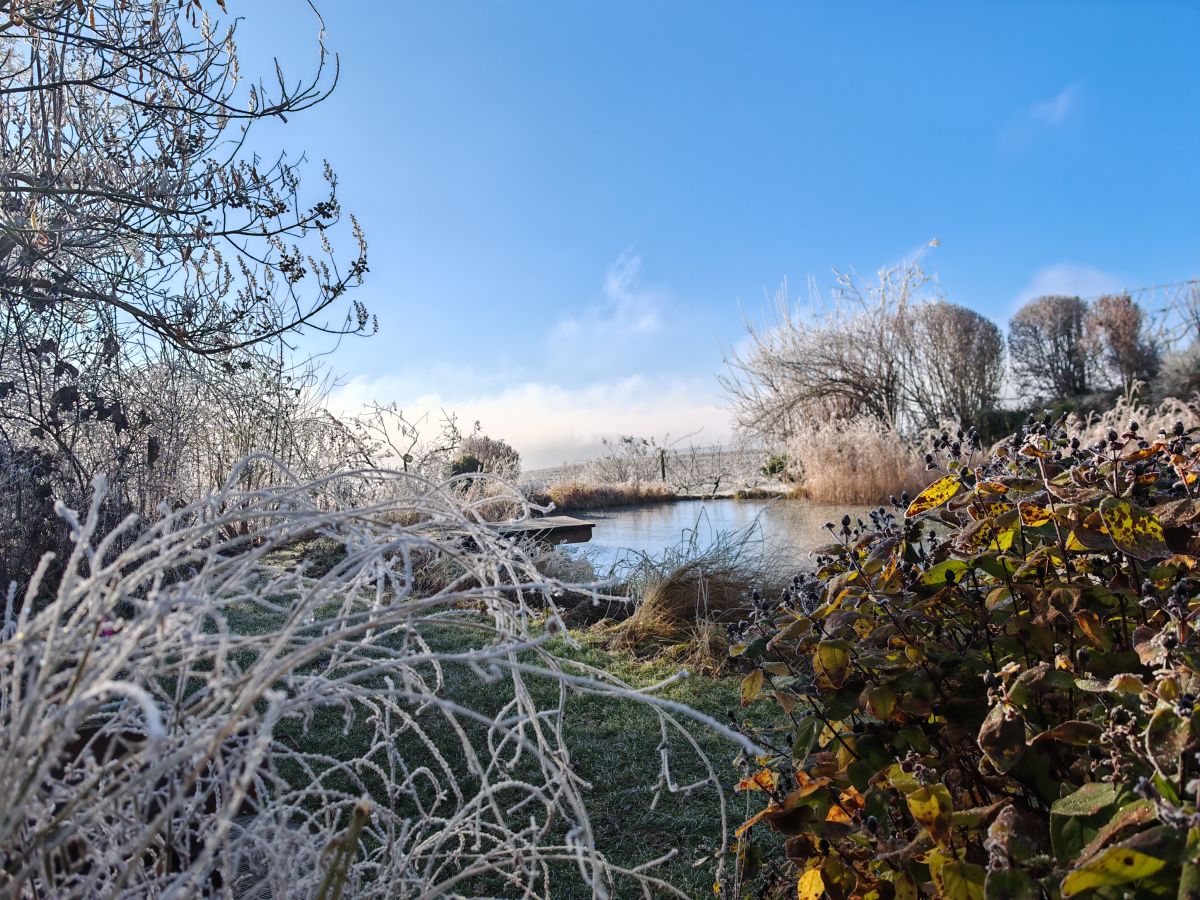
(791, 528)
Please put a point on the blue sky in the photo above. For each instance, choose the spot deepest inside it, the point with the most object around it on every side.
(572, 206)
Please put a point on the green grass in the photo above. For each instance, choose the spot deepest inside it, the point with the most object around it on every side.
(614, 745)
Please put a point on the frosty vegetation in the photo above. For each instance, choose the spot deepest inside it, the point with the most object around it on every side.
(168, 673)
(143, 704)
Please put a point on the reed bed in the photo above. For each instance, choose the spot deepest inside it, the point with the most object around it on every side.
(573, 496)
(854, 461)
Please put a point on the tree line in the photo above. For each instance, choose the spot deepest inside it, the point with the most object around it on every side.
(897, 351)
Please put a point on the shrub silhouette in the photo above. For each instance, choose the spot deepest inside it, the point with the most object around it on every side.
(990, 690)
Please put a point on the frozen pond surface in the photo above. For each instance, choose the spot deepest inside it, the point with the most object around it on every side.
(794, 528)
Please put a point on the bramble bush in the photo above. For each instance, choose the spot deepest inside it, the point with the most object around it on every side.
(991, 690)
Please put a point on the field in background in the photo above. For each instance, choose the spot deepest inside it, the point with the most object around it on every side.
(684, 471)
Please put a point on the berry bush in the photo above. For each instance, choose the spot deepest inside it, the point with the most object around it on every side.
(988, 690)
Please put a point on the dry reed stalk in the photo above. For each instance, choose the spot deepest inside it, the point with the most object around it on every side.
(854, 461)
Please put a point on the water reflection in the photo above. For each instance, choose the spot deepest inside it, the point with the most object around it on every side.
(791, 528)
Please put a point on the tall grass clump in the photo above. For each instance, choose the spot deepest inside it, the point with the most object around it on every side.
(159, 706)
(854, 461)
(1151, 418)
(682, 600)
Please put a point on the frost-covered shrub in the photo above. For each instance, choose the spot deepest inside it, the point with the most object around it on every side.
(161, 704)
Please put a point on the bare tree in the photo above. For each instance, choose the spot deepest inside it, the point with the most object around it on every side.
(956, 363)
(1048, 348)
(146, 253)
(834, 359)
(893, 350)
(389, 438)
(1116, 327)
(128, 188)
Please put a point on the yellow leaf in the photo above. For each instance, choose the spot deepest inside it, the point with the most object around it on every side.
(1093, 629)
(1144, 452)
(849, 802)
(1116, 865)
(755, 819)
(990, 489)
(932, 808)
(961, 881)
(1133, 529)
(905, 886)
(832, 659)
(751, 686)
(880, 701)
(1033, 514)
(987, 509)
(806, 785)
(762, 780)
(915, 653)
(934, 495)
(811, 885)
(1126, 684)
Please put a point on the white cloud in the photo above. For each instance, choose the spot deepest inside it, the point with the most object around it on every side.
(605, 372)
(1058, 108)
(550, 424)
(1069, 279)
(1029, 123)
(627, 309)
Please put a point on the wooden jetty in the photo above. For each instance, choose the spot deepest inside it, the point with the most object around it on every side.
(550, 530)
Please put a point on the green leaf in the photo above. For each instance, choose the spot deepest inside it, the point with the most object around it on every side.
(934, 496)
(1189, 875)
(977, 816)
(1091, 798)
(1136, 813)
(1021, 691)
(1166, 738)
(1002, 738)
(1073, 733)
(1070, 834)
(807, 733)
(758, 646)
(1134, 530)
(1010, 884)
(962, 881)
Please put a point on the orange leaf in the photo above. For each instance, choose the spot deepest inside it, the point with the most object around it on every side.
(762, 780)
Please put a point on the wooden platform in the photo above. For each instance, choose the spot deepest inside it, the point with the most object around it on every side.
(550, 530)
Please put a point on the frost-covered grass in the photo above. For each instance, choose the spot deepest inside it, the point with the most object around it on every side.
(182, 713)
(610, 742)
